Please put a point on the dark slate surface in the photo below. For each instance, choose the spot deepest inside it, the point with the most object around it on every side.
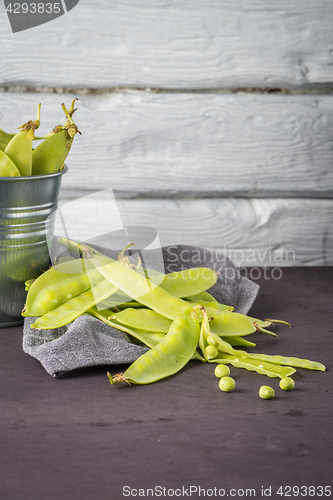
(78, 437)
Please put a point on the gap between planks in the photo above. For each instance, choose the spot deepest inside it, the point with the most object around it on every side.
(312, 90)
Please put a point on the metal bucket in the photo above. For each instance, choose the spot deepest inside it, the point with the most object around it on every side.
(26, 204)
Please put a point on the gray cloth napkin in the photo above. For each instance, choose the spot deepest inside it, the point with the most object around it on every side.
(88, 341)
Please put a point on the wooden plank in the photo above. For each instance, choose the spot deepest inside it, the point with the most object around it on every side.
(176, 144)
(252, 232)
(179, 45)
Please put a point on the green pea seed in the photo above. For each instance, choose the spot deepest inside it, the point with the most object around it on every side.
(222, 371)
(287, 383)
(211, 352)
(211, 341)
(266, 392)
(227, 384)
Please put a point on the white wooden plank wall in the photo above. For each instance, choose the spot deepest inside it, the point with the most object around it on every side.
(175, 44)
(181, 114)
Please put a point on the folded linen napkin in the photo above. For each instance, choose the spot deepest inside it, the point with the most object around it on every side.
(88, 341)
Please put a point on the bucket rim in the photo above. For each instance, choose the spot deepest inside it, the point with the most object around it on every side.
(34, 177)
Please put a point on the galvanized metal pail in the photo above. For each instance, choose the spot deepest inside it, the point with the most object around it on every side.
(26, 204)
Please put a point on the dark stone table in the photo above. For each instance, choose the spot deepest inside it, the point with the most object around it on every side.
(78, 437)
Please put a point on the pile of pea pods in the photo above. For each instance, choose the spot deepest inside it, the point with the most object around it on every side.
(19, 158)
(178, 319)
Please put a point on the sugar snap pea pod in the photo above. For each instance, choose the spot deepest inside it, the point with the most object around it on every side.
(139, 288)
(151, 339)
(119, 299)
(19, 149)
(212, 305)
(144, 319)
(239, 359)
(73, 308)
(261, 367)
(291, 361)
(207, 300)
(168, 357)
(230, 323)
(7, 167)
(225, 347)
(59, 284)
(206, 296)
(4, 139)
(188, 281)
(178, 284)
(50, 155)
(238, 341)
(116, 307)
(205, 337)
(132, 303)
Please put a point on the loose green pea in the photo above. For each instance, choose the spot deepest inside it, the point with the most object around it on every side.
(211, 352)
(287, 383)
(266, 392)
(222, 371)
(227, 384)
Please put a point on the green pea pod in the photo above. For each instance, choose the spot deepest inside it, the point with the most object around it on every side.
(4, 139)
(73, 308)
(7, 167)
(261, 367)
(144, 319)
(228, 323)
(211, 305)
(225, 347)
(225, 354)
(291, 361)
(120, 299)
(59, 284)
(50, 155)
(168, 357)
(125, 305)
(187, 282)
(139, 288)
(151, 339)
(19, 148)
(238, 341)
(278, 360)
(207, 300)
(206, 296)
(178, 284)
